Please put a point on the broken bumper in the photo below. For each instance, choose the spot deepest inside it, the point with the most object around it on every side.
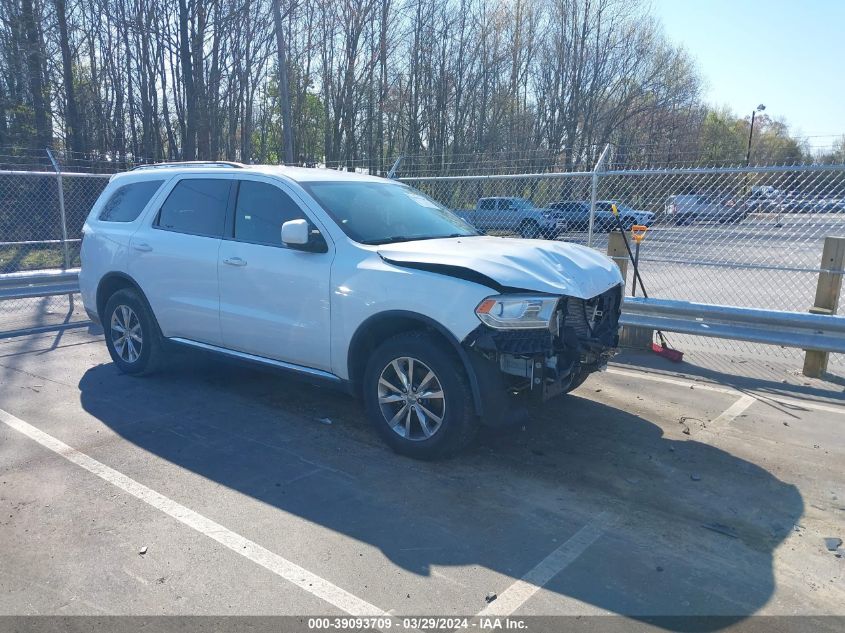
(516, 367)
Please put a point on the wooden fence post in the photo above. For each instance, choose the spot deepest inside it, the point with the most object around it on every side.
(828, 290)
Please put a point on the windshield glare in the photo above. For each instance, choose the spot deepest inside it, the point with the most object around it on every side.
(382, 212)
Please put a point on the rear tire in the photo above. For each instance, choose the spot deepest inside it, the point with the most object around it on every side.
(418, 398)
(132, 335)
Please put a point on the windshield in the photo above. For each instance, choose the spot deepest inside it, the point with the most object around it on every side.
(383, 212)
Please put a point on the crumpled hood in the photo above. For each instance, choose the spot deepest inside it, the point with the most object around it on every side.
(538, 265)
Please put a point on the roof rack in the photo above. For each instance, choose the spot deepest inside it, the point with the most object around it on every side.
(191, 163)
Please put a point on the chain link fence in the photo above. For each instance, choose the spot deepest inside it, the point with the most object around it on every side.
(739, 236)
(35, 217)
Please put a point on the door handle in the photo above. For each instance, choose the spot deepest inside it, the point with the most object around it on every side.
(143, 247)
(234, 261)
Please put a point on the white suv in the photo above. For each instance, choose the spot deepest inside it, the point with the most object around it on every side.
(354, 280)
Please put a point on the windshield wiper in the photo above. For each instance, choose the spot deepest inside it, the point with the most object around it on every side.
(443, 237)
(388, 240)
(413, 238)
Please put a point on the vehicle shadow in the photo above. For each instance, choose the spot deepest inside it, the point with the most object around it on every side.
(691, 528)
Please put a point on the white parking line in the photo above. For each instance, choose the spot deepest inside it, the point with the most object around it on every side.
(764, 398)
(280, 566)
(670, 381)
(520, 591)
(728, 415)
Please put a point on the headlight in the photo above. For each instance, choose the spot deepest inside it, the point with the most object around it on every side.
(511, 312)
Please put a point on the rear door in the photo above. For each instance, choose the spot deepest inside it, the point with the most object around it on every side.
(173, 257)
(274, 300)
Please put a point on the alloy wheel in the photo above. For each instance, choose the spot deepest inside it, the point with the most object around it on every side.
(411, 398)
(126, 334)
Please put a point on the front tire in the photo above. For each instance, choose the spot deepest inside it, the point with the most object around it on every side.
(132, 335)
(579, 380)
(417, 396)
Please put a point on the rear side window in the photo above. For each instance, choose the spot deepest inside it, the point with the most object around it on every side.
(260, 212)
(196, 206)
(127, 202)
(487, 205)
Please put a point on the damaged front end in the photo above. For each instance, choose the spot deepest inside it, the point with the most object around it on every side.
(539, 364)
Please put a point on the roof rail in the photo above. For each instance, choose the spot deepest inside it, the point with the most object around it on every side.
(191, 163)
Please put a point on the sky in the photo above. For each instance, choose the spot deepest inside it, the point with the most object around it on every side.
(786, 54)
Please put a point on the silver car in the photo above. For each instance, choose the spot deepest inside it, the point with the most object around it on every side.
(691, 208)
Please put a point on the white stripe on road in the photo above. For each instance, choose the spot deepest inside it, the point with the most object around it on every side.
(280, 566)
(670, 381)
(519, 592)
(728, 415)
(763, 398)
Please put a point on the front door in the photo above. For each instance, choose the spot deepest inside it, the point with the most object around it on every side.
(274, 300)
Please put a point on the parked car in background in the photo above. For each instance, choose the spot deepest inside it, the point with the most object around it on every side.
(764, 199)
(797, 203)
(690, 208)
(628, 215)
(577, 216)
(515, 215)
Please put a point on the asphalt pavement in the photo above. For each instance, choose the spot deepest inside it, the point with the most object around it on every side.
(215, 488)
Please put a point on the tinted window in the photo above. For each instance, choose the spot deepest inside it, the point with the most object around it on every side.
(261, 210)
(127, 202)
(487, 205)
(196, 206)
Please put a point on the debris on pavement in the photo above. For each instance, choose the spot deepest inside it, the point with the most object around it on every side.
(324, 420)
(143, 550)
(490, 597)
(685, 418)
(832, 543)
(695, 476)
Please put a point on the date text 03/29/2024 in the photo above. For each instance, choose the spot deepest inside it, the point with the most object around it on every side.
(419, 623)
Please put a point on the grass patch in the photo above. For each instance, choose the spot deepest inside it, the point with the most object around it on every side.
(17, 258)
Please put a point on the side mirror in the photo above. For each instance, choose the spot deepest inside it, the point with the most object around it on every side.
(295, 233)
(299, 235)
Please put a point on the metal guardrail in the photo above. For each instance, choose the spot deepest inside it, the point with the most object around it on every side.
(771, 327)
(39, 284)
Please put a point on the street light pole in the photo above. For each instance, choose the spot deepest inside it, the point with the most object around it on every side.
(759, 108)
